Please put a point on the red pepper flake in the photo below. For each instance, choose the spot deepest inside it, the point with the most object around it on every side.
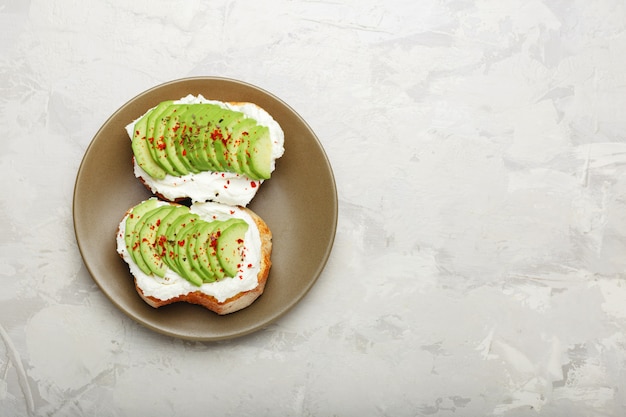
(216, 134)
(181, 243)
(249, 265)
(184, 152)
(232, 212)
(252, 184)
(240, 241)
(161, 146)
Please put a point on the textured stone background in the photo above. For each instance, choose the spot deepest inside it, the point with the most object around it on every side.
(479, 153)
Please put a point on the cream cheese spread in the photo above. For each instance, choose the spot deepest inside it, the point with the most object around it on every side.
(222, 187)
(172, 285)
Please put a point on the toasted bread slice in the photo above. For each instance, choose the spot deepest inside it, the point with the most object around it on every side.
(232, 188)
(224, 296)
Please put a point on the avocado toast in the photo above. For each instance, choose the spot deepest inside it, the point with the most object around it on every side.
(205, 150)
(209, 254)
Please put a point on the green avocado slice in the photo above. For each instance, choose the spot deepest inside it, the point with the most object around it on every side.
(248, 133)
(154, 116)
(164, 227)
(260, 154)
(227, 119)
(202, 249)
(183, 141)
(148, 246)
(230, 244)
(141, 150)
(238, 138)
(213, 247)
(170, 139)
(211, 134)
(136, 216)
(198, 124)
(196, 250)
(184, 138)
(160, 143)
(186, 240)
(172, 239)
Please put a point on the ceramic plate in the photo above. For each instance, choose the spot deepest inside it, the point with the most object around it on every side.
(299, 203)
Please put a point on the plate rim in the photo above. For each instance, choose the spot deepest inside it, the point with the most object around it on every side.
(286, 306)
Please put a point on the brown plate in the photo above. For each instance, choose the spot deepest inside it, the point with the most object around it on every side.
(299, 203)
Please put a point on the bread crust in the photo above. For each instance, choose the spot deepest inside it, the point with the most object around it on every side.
(238, 301)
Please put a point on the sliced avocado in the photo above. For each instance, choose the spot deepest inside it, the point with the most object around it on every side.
(185, 134)
(212, 135)
(153, 116)
(153, 119)
(183, 153)
(159, 143)
(166, 223)
(170, 138)
(141, 150)
(230, 245)
(195, 121)
(260, 154)
(186, 240)
(184, 140)
(131, 234)
(147, 240)
(227, 119)
(238, 138)
(211, 253)
(245, 133)
(208, 132)
(202, 251)
(192, 248)
(243, 155)
(172, 239)
(197, 249)
(213, 247)
(190, 235)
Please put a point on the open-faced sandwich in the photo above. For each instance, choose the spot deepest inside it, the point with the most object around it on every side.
(205, 150)
(210, 254)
